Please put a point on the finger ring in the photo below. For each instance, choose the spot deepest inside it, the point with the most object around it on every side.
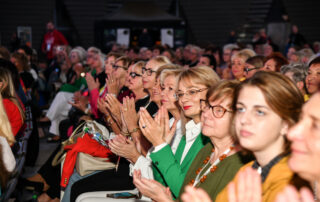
(144, 126)
(125, 109)
(111, 80)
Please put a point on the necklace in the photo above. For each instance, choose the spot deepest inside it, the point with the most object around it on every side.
(203, 171)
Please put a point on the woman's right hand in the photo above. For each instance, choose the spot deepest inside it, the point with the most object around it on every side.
(92, 84)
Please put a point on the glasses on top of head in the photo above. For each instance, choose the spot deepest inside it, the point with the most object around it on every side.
(247, 69)
(114, 66)
(217, 110)
(134, 75)
(147, 71)
(190, 92)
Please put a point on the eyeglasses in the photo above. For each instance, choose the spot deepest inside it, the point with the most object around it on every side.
(247, 70)
(217, 110)
(148, 71)
(118, 66)
(134, 75)
(190, 92)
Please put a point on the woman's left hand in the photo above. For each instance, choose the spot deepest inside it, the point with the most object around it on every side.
(124, 147)
(151, 188)
(248, 187)
(291, 194)
(113, 106)
(129, 113)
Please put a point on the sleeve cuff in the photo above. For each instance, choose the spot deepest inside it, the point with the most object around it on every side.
(159, 147)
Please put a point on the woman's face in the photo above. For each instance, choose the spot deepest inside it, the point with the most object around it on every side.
(74, 58)
(16, 63)
(189, 98)
(213, 126)
(237, 67)
(134, 78)
(168, 90)
(251, 70)
(313, 78)
(119, 72)
(258, 127)
(108, 64)
(149, 81)
(305, 138)
(269, 65)
(156, 92)
(96, 63)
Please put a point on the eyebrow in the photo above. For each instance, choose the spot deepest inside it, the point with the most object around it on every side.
(255, 106)
(314, 117)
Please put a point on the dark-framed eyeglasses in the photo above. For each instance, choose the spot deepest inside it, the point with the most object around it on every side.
(218, 111)
(247, 70)
(114, 66)
(147, 71)
(134, 75)
(190, 92)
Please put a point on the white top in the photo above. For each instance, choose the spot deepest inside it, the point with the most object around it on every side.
(8, 158)
(192, 132)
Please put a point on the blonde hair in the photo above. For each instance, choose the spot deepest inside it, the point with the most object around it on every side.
(170, 72)
(7, 90)
(160, 60)
(202, 75)
(244, 54)
(138, 66)
(5, 127)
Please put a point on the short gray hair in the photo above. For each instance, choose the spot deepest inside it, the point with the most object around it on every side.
(299, 71)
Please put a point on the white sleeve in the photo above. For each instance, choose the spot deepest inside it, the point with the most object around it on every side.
(7, 155)
(145, 165)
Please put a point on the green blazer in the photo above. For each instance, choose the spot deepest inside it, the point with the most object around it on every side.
(166, 165)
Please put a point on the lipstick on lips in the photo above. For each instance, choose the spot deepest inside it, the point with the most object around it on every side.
(186, 107)
(245, 133)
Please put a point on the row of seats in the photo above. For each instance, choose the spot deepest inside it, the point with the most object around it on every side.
(19, 150)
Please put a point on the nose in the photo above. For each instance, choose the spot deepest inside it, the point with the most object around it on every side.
(296, 132)
(207, 113)
(244, 117)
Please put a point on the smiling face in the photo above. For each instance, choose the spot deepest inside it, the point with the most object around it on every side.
(256, 121)
(108, 64)
(313, 78)
(119, 73)
(190, 104)
(216, 127)
(237, 67)
(136, 82)
(305, 138)
(168, 90)
(150, 81)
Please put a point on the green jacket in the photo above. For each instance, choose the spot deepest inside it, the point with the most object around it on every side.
(166, 165)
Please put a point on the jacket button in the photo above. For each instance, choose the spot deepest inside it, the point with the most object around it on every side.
(157, 163)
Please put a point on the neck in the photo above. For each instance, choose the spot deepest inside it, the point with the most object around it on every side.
(139, 93)
(122, 81)
(266, 155)
(175, 113)
(196, 119)
(221, 145)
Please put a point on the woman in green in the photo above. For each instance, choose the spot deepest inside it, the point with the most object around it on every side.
(218, 161)
(170, 169)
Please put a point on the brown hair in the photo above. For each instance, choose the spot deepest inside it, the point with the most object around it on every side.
(224, 89)
(22, 59)
(256, 61)
(4, 53)
(125, 60)
(138, 66)
(280, 93)
(278, 58)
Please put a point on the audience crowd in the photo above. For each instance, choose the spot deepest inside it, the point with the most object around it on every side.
(235, 123)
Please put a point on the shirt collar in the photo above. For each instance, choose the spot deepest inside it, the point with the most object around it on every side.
(192, 129)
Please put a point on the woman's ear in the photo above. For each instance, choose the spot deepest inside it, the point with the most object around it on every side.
(284, 129)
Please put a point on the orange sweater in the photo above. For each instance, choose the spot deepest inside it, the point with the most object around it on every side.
(278, 178)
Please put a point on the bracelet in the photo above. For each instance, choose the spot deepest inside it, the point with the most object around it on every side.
(109, 121)
(134, 130)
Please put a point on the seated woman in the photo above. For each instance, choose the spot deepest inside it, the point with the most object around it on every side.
(265, 107)
(238, 61)
(274, 62)
(7, 159)
(305, 146)
(11, 103)
(313, 76)
(168, 168)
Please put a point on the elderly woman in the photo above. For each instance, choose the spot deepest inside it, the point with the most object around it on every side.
(171, 168)
(238, 61)
(313, 75)
(305, 138)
